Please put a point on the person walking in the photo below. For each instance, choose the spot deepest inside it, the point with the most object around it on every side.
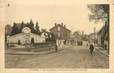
(91, 48)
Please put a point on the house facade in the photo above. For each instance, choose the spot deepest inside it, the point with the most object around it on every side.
(60, 31)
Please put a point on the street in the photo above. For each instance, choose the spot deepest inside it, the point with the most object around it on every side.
(69, 57)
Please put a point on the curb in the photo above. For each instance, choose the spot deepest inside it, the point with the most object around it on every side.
(31, 53)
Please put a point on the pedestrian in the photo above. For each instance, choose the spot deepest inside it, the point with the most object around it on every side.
(91, 48)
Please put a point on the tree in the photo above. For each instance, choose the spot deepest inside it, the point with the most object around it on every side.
(8, 29)
(31, 26)
(21, 27)
(14, 29)
(99, 12)
(37, 30)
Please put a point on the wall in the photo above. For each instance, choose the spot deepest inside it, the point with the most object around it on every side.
(64, 33)
(25, 38)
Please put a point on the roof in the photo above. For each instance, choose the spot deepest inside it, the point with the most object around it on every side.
(78, 37)
(60, 26)
(91, 34)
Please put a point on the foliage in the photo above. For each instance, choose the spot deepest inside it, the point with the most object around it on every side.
(98, 12)
(31, 26)
(37, 30)
(22, 26)
(15, 29)
(8, 29)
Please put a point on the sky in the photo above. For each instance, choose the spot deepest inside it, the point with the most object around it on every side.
(73, 13)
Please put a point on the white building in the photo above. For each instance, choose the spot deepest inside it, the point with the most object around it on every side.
(26, 37)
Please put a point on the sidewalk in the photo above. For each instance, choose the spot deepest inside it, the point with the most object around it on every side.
(32, 52)
(101, 50)
(23, 52)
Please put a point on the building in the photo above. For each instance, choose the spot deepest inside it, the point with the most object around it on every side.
(60, 31)
(103, 36)
(25, 37)
(91, 36)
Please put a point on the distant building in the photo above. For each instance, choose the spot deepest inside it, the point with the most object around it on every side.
(61, 32)
(25, 37)
(75, 38)
(92, 36)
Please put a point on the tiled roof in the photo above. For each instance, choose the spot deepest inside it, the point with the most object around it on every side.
(60, 26)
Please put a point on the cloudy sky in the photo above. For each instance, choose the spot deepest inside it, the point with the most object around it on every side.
(73, 13)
